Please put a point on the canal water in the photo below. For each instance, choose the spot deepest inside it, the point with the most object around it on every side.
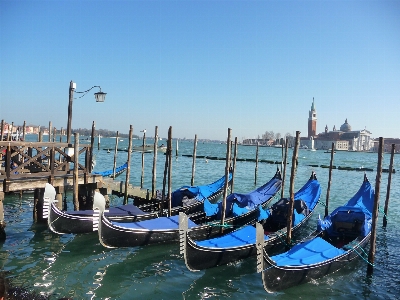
(78, 266)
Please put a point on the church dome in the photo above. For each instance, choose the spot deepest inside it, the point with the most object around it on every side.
(345, 127)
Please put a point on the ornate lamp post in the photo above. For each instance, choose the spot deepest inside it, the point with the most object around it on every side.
(99, 96)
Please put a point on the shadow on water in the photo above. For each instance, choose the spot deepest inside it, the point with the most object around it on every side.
(142, 272)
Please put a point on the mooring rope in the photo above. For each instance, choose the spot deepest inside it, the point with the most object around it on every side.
(359, 254)
(381, 211)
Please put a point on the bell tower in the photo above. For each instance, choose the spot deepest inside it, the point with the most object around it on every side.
(312, 121)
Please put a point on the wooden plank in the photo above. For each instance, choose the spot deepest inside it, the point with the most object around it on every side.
(33, 182)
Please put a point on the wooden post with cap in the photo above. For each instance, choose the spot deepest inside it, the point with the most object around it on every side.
(291, 191)
(328, 191)
(386, 209)
(372, 248)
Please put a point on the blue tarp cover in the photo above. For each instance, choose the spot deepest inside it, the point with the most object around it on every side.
(244, 202)
(162, 223)
(111, 172)
(199, 192)
(309, 193)
(123, 210)
(241, 237)
(357, 209)
(311, 252)
(256, 197)
(247, 234)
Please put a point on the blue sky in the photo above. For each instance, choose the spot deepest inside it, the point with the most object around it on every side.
(203, 66)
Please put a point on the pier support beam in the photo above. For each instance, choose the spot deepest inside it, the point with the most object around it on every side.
(85, 195)
(38, 204)
(104, 192)
(2, 222)
(59, 196)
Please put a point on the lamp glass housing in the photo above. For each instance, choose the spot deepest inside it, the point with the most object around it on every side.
(100, 96)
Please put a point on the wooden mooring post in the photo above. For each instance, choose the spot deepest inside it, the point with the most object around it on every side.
(2, 222)
(50, 125)
(372, 248)
(234, 164)
(194, 160)
(284, 168)
(91, 147)
(291, 191)
(167, 156)
(9, 131)
(76, 171)
(2, 130)
(256, 168)
(24, 131)
(170, 171)
(143, 151)
(228, 158)
(115, 154)
(54, 134)
(154, 172)
(328, 191)
(128, 170)
(386, 209)
(282, 155)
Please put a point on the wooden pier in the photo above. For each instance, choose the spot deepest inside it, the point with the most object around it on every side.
(28, 166)
(113, 187)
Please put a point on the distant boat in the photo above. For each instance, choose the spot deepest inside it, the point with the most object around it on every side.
(149, 148)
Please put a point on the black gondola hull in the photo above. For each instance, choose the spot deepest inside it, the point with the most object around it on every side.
(199, 258)
(277, 278)
(112, 236)
(62, 222)
(65, 223)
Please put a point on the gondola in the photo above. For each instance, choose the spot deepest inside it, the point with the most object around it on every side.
(339, 239)
(241, 243)
(188, 199)
(110, 173)
(166, 229)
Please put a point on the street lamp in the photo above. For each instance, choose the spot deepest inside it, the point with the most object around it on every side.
(99, 96)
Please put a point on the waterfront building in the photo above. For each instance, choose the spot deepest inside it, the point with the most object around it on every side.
(312, 121)
(387, 145)
(344, 139)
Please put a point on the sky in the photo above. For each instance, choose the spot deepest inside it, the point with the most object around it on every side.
(202, 66)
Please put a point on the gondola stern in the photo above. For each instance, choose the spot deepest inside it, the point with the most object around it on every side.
(183, 229)
(101, 223)
(49, 197)
(50, 220)
(263, 260)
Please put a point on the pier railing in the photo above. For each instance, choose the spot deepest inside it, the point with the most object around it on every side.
(27, 159)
